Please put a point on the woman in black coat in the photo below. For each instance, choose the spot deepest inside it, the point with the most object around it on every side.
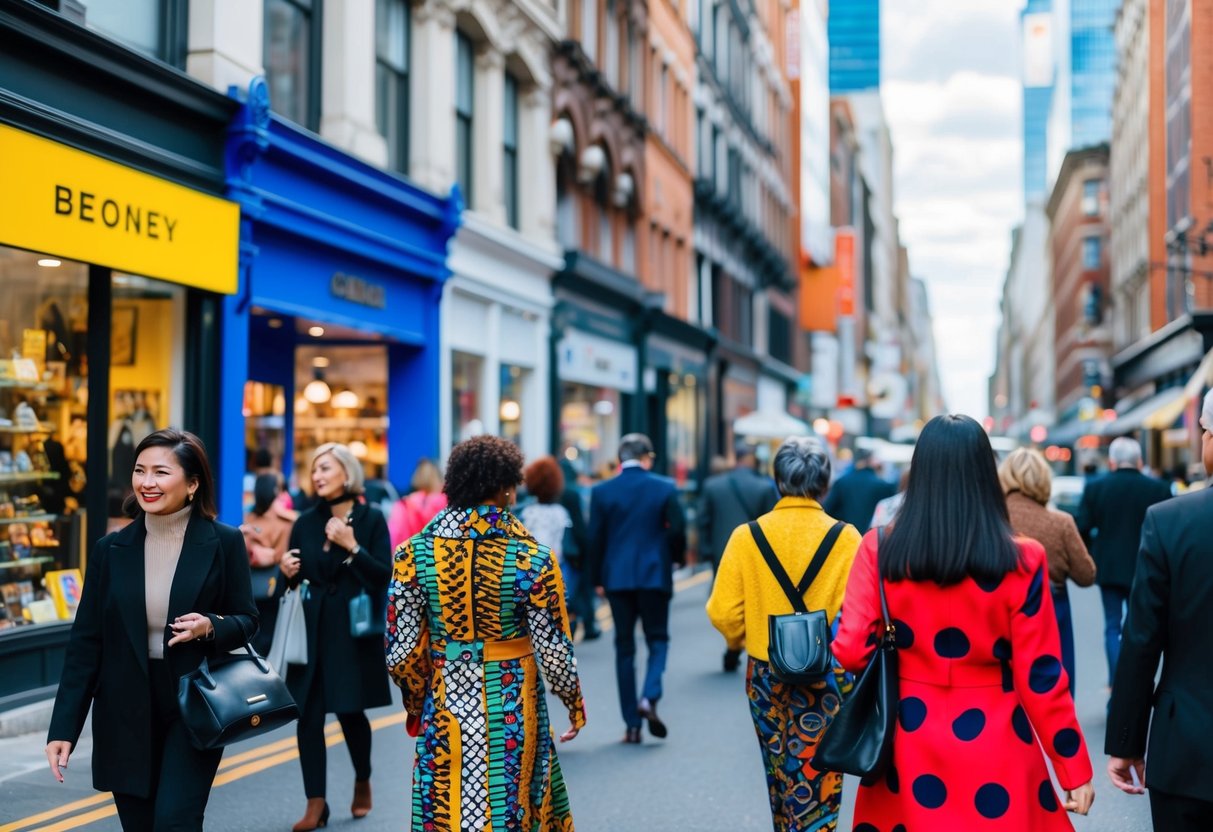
(341, 548)
(136, 632)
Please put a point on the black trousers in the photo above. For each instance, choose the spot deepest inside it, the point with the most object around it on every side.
(651, 608)
(313, 753)
(1177, 813)
(181, 775)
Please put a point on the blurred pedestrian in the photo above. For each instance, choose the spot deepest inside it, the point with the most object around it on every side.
(469, 666)
(267, 530)
(1028, 483)
(582, 600)
(548, 520)
(637, 533)
(1170, 602)
(1110, 516)
(412, 511)
(730, 500)
(136, 633)
(854, 495)
(341, 548)
(979, 672)
(788, 719)
(886, 509)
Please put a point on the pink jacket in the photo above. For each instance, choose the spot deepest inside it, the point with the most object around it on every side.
(411, 513)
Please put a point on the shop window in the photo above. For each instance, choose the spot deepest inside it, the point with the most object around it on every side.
(292, 59)
(392, 45)
(589, 28)
(1090, 197)
(512, 407)
(683, 427)
(590, 427)
(157, 28)
(464, 107)
(509, 170)
(1092, 253)
(467, 382)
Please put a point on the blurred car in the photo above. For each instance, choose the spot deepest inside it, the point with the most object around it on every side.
(1067, 494)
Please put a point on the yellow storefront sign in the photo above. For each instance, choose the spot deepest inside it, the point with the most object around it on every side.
(58, 200)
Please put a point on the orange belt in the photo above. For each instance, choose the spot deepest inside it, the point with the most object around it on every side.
(514, 648)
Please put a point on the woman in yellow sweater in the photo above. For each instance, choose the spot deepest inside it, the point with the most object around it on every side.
(788, 719)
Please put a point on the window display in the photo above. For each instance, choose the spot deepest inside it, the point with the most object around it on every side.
(590, 428)
(467, 378)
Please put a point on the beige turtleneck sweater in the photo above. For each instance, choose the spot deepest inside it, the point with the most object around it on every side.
(161, 550)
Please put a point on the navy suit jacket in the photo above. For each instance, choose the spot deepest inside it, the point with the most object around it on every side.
(637, 531)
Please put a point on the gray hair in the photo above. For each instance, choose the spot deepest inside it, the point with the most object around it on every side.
(1206, 410)
(635, 446)
(802, 467)
(355, 479)
(1125, 452)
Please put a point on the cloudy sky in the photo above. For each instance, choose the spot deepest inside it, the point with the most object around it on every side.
(952, 96)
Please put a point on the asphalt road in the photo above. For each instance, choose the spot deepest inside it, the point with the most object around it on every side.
(706, 776)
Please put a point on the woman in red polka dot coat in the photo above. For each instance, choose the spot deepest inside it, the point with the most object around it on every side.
(981, 678)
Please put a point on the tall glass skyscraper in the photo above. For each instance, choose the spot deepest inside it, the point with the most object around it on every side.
(1038, 67)
(854, 45)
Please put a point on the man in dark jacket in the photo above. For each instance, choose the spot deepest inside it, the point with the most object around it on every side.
(730, 500)
(581, 603)
(1110, 516)
(637, 532)
(853, 496)
(1168, 611)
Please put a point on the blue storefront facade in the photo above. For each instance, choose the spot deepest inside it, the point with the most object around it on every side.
(337, 258)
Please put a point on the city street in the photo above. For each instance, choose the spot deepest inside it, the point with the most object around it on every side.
(705, 777)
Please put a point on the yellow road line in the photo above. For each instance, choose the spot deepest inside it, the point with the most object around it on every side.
(74, 806)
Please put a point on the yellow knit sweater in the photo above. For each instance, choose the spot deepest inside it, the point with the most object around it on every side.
(746, 593)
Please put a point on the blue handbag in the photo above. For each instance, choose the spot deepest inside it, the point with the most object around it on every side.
(366, 618)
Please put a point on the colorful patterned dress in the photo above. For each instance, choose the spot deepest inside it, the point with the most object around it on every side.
(475, 608)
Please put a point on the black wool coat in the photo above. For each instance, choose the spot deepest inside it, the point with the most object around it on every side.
(106, 661)
(353, 671)
(1113, 507)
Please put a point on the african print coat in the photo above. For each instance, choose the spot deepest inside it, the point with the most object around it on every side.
(486, 758)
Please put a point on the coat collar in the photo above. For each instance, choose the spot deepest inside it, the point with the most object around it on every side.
(477, 522)
(797, 502)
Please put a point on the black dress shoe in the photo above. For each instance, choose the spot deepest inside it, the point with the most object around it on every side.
(732, 660)
(632, 736)
(648, 711)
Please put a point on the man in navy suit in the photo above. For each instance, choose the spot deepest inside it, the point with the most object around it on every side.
(637, 532)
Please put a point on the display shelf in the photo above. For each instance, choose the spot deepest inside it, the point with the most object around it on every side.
(29, 518)
(32, 476)
(35, 561)
(15, 384)
(335, 422)
(43, 427)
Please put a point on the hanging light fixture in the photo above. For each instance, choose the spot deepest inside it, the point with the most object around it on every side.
(346, 400)
(317, 392)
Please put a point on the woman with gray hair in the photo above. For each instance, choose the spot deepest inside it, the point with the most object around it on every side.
(341, 548)
(788, 719)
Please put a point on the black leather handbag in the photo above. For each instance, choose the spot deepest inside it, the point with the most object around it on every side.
(799, 642)
(860, 739)
(232, 698)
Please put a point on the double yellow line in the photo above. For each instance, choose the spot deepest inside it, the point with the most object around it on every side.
(101, 806)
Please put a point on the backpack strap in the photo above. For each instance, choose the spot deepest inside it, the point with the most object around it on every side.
(795, 594)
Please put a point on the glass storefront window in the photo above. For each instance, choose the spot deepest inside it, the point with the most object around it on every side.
(590, 428)
(467, 379)
(514, 382)
(43, 433)
(682, 427)
(135, 23)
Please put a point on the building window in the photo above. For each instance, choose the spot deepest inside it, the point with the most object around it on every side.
(1092, 253)
(1090, 197)
(589, 28)
(292, 59)
(611, 58)
(464, 100)
(467, 381)
(663, 83)
(511, 409)
(157, 28)
(509, 169)
(392, 32)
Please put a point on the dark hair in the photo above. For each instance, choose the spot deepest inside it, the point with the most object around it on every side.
(480, 467)
(265, 491)
(262, 458)
(191, 456)
(953, 522)
(544, 479)
(635, 446)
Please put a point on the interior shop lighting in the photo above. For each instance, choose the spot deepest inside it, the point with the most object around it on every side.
(274, 323)
(821, 427)
(320, 361)
(358, 448)
(511, 411)
(346, 400)
(316, 332)
(604, 407)
(317, 392)
(301, 406)
(50, 263)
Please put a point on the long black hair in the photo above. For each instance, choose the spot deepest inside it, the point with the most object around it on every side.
(265, 491)
(953, 522)
(191, 456)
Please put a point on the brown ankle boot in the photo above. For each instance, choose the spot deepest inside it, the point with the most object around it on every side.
(361, 807)
(316, 816)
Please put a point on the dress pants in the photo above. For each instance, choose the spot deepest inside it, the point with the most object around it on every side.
(1178, 813)
(652, 608)
(1065, 628)
(313, 753)
(1114, 600)
(181, 774)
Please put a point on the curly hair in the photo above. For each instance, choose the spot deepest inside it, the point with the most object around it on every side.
(544, 479)
(480, 467)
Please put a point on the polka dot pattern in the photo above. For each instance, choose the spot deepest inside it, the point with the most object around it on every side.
(905, 636)
(989, 584)
(992, 801)
(929, 791)
(1019, 722)
(1002, 649)
(1045, 674)
(865, 827)
(952, 643)
(1047, 797)
(901, 827)
(911, 713)
(968, 726)
(1066, 742)
(1036, 591)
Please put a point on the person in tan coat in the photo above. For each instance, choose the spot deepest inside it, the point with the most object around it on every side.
(1028, 483)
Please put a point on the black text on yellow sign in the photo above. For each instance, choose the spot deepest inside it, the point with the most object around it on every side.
(122, 216)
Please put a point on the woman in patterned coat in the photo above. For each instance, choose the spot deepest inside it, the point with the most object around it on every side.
(475, 609)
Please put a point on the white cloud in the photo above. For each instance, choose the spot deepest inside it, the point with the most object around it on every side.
(952, 97)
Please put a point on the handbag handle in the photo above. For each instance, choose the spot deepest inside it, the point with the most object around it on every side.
(890, 631)
(204, 669)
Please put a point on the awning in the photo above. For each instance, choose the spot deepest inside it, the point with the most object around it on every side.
(1165, 405)
(1067, 433)
(769, 425)
(1165, 416)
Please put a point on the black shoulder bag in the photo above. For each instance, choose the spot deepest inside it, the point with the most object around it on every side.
(799, 642)
(231, 698)
(860, 739)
